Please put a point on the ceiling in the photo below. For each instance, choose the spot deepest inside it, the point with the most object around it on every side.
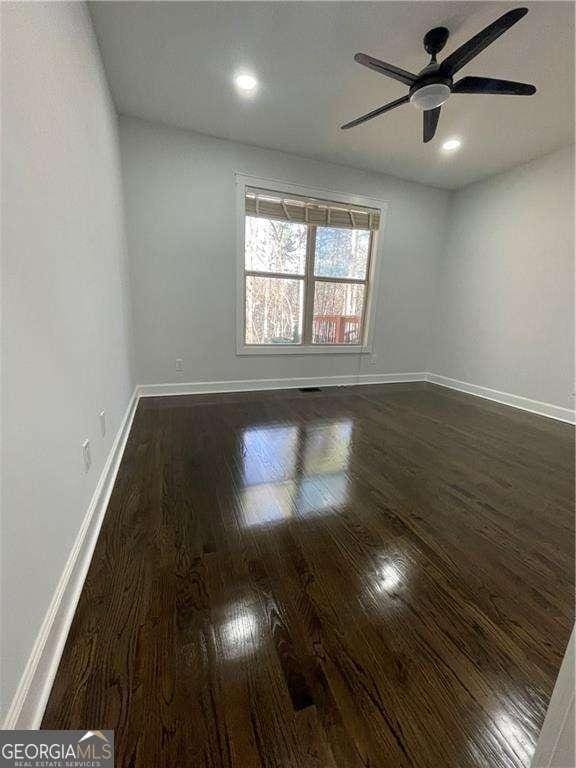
(174, 62)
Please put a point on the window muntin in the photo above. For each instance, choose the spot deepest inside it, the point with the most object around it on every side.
(306, 281)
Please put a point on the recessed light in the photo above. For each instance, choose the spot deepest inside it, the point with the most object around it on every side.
(451, 145)
(246, 83)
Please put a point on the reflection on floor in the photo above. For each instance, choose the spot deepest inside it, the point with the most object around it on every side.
(373, 576)
(294, 470)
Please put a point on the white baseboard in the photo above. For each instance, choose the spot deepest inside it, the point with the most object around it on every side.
(516, 401)
(251, 385)
(29, 702)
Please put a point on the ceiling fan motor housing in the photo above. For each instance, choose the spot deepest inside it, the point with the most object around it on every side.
(435, 40)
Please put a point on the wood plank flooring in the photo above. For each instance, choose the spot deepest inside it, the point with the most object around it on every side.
(373, 576)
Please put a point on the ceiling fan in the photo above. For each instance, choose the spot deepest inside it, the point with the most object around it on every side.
(434, 84)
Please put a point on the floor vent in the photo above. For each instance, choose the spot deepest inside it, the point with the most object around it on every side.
(309, 389)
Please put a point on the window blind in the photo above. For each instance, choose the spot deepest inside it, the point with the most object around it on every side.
(267, 204)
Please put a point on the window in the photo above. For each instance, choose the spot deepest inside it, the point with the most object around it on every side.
(306, 271)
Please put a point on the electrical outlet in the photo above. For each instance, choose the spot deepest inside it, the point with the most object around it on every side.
(179, 364)
(103, 423)
(373, 359)
(86, 456)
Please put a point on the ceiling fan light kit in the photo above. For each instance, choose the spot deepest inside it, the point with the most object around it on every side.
(430, 96)
(433, 85)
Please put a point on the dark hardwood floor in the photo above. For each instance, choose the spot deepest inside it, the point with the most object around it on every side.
(374, 576)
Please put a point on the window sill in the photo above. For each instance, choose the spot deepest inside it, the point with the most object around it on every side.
(316, 349)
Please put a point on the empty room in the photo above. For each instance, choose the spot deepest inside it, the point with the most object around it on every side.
(287, 385)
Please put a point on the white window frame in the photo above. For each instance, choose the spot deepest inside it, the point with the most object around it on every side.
(372, 280)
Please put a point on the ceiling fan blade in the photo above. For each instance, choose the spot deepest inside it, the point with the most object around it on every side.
(376, 112)
(431, 117)
(490, 85)
(482, 40)
(385, 69)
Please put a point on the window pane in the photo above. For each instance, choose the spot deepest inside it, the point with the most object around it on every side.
(341, 252)
(337, 313)
(275, 246)
(274, 307)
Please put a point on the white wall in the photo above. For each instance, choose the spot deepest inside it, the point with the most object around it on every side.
(181, 225)
(64, 326)
(505, 292)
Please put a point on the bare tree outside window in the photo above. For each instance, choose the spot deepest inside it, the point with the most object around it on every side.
(274, 310)
(275, 246)
(341, 252)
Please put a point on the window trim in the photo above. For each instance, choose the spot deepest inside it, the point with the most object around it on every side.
(372, 280)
